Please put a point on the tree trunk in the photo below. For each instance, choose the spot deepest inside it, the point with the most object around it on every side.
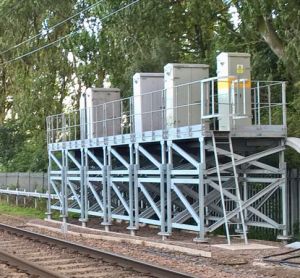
(270, 36)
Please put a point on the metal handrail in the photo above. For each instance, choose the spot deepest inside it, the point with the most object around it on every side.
(121, 120)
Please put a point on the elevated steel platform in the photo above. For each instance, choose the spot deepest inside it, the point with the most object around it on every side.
(176, 177)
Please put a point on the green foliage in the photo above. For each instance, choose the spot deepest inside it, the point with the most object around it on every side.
(143, 37)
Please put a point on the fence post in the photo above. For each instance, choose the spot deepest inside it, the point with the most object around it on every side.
(17, 199)
(35, 200)
(24, 199)
(29, 181)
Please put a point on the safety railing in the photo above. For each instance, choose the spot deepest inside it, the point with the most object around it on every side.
(200, 102)
(268, 102)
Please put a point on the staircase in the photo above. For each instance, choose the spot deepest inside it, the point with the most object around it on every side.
(223, 138)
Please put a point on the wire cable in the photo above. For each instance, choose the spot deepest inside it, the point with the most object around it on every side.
(51, 28)
(68, 35)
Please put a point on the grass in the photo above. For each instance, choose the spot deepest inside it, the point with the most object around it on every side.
(30, 211)
(21, 211)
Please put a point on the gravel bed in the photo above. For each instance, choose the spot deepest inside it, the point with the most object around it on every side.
(63, 261)
(11, 272)
(224, 263)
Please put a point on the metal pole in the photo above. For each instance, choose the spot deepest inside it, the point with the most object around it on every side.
(269, 104)
(104, 189)
(64, 187)
(284, 103)
(282, 166)
(162, 190)
(35, 200)
(201, 192)
(131, 191)
(136, 188)
(255, 106)
(258, 102)
(169, 202)
(109, 166)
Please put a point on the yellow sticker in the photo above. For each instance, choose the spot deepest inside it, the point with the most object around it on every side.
(239, 69)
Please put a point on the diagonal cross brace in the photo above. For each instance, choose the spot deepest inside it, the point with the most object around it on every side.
(56, 161)
(74, 160)
(74, 193)
(119, 157)
(246, 159)
(185, 155)
(96, 196)
(117, 191)
(246, 204)
(150, 200)
(186, 203)
(254, 163)
(95, 159)
(149, 156)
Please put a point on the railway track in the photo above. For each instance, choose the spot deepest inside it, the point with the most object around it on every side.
(43, 256)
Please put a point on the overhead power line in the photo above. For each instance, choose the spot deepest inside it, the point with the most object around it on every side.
(68, 35)
(51, 28)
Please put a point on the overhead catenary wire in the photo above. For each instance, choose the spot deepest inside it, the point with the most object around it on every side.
(51, 28)
(68, 35)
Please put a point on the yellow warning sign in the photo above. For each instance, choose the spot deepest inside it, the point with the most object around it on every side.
(239, 69)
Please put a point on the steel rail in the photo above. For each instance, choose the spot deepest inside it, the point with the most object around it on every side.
(26, 266)
(140, 266)
(284, 261)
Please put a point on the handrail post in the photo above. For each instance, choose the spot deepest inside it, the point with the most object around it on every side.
(284, 103)
(231, 104)
(202, 100)
(258, 102)
(269, 105)
(244, 97)
(212, 98)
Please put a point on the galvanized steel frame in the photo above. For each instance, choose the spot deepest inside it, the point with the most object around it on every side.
(162, 182)
(168, 177)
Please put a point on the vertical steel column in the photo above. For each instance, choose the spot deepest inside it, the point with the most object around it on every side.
(131, 227)
(108, 183)
(284, 122)
(282, 165)
(64, 185)
(201, 192)
(105, 185)
(49, 213)
(136, 186)
(84, 165)
(162, 171)
(169, 201)
(82, 182)
(245, 193)
(83, 187)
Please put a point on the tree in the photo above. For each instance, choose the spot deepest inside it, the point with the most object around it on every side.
(143, 37)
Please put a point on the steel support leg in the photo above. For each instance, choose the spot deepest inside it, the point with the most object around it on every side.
(201, 192)
(131, 227)
(282, 166)
(162, 171)
(83, 187)
(64, 191)
(105, 187)
(136, 188)
(169, 200)
(245, 194)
